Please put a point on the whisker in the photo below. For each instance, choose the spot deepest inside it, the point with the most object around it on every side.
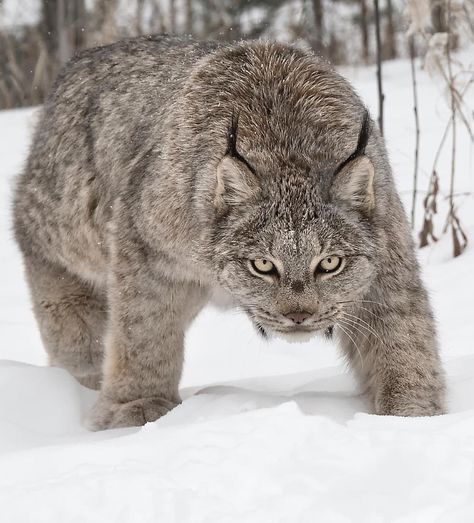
(364, 301)
(362, 324)
(356, 317)
(373, 313)
(354, 325)
(352, 339)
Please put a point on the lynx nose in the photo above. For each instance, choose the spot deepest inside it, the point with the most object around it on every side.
(298, 317)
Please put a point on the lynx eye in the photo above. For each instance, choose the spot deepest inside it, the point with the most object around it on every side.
(329, 264)
(263, 266)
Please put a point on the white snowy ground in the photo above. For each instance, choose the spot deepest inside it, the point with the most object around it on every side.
(267, 432)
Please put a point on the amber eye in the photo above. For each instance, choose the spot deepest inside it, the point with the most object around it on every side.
(263, 266)
(329, 264)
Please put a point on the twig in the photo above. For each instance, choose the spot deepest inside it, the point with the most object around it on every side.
(379, 64)
(459, 244)
(429, 202)
(431, 208)
(417, 126)
(453, 112)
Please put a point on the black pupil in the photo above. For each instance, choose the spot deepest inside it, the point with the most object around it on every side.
(329, 261)
(264, 266)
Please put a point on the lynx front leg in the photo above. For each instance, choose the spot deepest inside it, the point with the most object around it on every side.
(391, 342)
(71, 317)
(144, 349)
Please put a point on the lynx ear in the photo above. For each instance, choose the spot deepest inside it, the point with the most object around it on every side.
(235, 183)
(354, 185)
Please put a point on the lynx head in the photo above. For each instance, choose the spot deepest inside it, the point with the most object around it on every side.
(294, 248)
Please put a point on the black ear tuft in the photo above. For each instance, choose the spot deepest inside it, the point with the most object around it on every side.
(364, 135)
(232, 141)
(232, 135)
(236, 180)
(353, 182)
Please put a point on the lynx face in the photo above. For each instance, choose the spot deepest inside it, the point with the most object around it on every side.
(294, 253)
(297, 275)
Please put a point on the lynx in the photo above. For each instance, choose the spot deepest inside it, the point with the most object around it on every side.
(163, 169)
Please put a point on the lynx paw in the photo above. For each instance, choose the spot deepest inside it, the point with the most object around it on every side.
(109, 414)
(91, 381)
(409, 406)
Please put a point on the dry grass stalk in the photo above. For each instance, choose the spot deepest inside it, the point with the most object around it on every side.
(417, 126)
(431, 208)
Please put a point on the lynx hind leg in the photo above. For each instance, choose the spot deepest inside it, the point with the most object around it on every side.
(71, 318)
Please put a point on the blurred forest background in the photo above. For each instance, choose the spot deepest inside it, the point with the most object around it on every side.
(38, 36)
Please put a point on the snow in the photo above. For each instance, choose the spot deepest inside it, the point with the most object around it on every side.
(15, 13)
(267, 432)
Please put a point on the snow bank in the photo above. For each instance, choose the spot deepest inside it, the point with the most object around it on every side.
(247, 451)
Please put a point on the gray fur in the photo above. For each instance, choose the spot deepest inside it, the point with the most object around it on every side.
(135, 205)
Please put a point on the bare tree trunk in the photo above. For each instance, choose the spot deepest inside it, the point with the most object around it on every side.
(364, 29)
(49, 25)
(441, 20)
(63, 27)
(234, 10)
(390, 37)
(172, 6)
(206, 19)
(105, 22)
(79, 20)
(189, 17)
(318, 13)
(438, 16)
(156, 24)
(379, 64)
(139, 17)
(64, 50)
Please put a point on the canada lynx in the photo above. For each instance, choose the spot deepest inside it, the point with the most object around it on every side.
(164, 168)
